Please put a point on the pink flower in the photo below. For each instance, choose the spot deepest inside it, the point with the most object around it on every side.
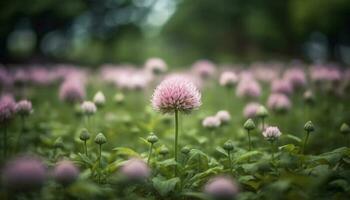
(281, 86)
(24, 107)
(24, 174)
(228, 79)
(211, 122)
(248, 88)
(250, 110)
(156, 65)
(7, 109)
(224, 116)
(176, 93)
(135, 170)
(278, 102)
(72, 91)
(221, 188)
(65, 172)
(296, 76)
(204, 68)
(272, 132)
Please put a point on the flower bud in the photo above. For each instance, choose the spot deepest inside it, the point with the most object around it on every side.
(119, 98)
(309, 97)
(228, 146)
(309, 127)
(163, 151)
(249, 125)
(100, 139)
(152, 138)
(99, 99)
(65, 173)
(84, 135)
(58, 143)
(262, 112)
(345, 129)
(185, 150)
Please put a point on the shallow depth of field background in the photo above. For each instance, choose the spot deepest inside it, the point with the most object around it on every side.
(91, 39)
(92, 32)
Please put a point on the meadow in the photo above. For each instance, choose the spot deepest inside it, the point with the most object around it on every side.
(267, 130)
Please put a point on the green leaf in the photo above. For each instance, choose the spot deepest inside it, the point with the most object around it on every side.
(164, 187)
(293, 137)
(196, 195)
(291, 148)
(222, 151)
(124, 151)
(247, 156)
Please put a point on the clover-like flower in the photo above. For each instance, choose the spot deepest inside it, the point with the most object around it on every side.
(176, 94)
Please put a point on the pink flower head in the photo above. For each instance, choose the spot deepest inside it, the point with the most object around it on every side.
(24, 174)
(279, 102)
(221, 188)
(204, 68)
(248, 88)
(135, 170)
(211, 122)
(224, 116)
(7, 109)
(272, 133)
(250, 110)
(325, 73)
(156, 65)
(281, 86)
(228, 79)
(176, 93)
(65, 172)
(24, 108)
(72, 91)
(296, 76)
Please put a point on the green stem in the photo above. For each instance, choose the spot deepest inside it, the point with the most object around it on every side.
(99, 164)
(250, 144)
(176, 137)
(230, 160)
(5, 141)
(305, 141)
(85, 147)
(17, 148)
(263, 124)
(150, 154)
(272, 151)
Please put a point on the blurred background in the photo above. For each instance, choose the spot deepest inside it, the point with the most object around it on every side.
(92, 32)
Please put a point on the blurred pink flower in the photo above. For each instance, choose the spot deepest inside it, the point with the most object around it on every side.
(135, 170)
(296, 76)
(72, 91)
(211, 122)
(272, 132)
(221, 187)
(204, 68)
(250, 110)
(228, 79)
(248, 88)
(281, 86)
(278, 102)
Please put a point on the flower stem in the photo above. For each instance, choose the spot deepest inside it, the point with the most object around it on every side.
(176, 137)
(99, 164)
(230, 160)
(85, 147)
(17, 147)
(150, 154)
(5, 140)
(263, 124)
(305, 141)
(250, 144)
(272, 151)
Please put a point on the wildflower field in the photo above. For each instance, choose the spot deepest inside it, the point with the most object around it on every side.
(262, 131)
